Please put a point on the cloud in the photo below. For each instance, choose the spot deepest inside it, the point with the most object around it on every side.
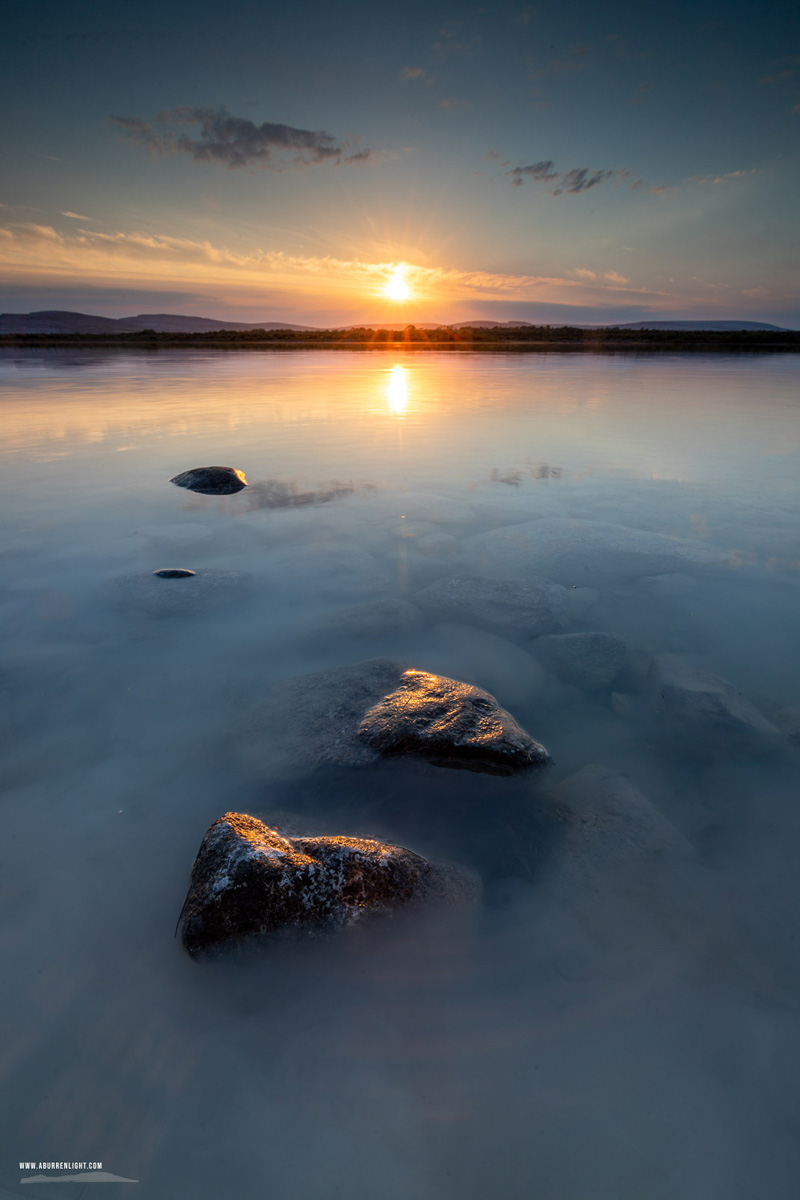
(75, 216)
(615, 277)
(235, 141)
(32, 254)
(413, 72)
(704, 180)
(579, 179)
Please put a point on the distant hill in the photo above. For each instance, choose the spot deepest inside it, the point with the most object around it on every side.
(711, 326)
(56, 322)
(53, 321)
(492, 325)
(391, 325)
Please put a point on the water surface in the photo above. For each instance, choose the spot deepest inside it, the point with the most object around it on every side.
(531, 1046)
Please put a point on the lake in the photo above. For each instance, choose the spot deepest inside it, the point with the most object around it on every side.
(617, 1018)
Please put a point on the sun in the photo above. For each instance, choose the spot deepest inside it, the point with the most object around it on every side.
(397, 288)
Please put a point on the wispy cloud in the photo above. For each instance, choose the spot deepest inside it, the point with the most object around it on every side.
(236, 141)
(575, 181)
(75, 216)
(711, 179)
(414, 72)
(33, 252)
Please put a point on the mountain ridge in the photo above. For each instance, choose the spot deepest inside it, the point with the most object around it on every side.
(63, 321)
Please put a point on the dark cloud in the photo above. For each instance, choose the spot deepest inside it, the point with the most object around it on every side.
(235, 141)
(579, 179)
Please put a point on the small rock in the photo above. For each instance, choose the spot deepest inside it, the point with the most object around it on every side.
(522, 610)
(211, 481)
(173, 573)
(706, 711)
(177, 594)
(451, 724)
(249, 880)
(590, 660)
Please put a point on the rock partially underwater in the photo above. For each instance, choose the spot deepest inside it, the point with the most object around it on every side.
(248, 880)
(706, 713)
(349, 716)
(211, 481)
(615, 846)
(572, 551)
(177, 591)
(506, 606)
(591, 661)
(452, 724)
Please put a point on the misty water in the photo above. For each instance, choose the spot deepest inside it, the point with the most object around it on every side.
(582, 1033)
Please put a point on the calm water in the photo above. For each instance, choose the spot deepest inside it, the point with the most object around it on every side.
(601, 1045)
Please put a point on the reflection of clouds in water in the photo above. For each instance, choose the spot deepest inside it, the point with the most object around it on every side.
(273, 493)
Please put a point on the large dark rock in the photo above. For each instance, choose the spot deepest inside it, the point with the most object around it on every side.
(174, 595)
(506, 606)
(591, 661)
(211, 481)
(452, 724)
(707, 713)
(249, 880)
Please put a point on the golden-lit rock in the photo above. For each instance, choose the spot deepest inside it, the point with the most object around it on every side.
(248, 880)
(211, 481)
(452, 724)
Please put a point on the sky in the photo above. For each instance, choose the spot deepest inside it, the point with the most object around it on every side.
(553, 162)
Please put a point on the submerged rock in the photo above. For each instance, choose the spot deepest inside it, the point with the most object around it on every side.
(376, 618)
(452, 724)
(506, 606)
(579, 552)
(249, 880)
(706, 711)
(330, 569)
(614, 843)
(173, 592)
(788, 722)
(310, 721)
(589, 660)
(211, 481)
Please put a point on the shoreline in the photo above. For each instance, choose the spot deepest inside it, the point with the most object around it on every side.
(750, 341)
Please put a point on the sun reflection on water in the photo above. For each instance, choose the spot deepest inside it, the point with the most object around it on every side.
(397, 391)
